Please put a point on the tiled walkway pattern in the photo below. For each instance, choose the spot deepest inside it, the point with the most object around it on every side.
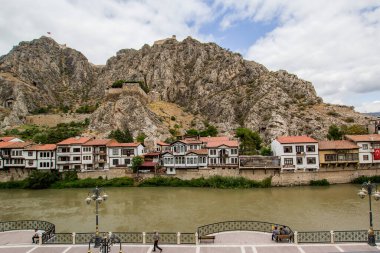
(231, 242)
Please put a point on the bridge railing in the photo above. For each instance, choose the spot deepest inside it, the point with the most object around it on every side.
(335, 236)
(236, 226)
(48, 227)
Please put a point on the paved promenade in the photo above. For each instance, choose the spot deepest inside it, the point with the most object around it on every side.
(227, 242)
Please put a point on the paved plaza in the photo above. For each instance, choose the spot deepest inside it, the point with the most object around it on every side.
(227, 242)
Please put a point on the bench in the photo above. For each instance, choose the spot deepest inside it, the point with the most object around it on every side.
(206, 238)
(282, 237)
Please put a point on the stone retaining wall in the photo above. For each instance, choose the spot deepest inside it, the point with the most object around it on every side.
(13, 174)
(334, 176)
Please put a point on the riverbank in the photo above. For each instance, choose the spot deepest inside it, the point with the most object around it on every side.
(47, 180)
(210, 178)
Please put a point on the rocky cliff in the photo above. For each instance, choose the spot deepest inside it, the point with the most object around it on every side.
(204, 80)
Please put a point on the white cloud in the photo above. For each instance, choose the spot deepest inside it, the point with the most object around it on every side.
(334, 44)
(100, 28)
(370, 107)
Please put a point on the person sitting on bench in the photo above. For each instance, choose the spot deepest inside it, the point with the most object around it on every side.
(37, 234)
(275, 232)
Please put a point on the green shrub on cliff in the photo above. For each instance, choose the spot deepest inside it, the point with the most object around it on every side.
(322, 182)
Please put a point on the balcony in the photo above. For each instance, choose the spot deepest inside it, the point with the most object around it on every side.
(288, 166)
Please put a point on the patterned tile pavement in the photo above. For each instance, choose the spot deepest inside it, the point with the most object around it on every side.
(228, 242)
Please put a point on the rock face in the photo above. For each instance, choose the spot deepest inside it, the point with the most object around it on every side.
(207, 81)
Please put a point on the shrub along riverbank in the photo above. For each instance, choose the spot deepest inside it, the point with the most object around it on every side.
(45, 180)
(364, 179)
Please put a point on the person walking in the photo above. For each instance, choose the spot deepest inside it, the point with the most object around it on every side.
(156, 238)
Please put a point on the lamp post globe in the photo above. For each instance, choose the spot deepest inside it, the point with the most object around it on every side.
(97, 196)
(370, 189)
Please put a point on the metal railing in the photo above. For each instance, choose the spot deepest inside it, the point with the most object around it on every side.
(48, 227)
(314, 237)
(236, 226)
(130, 237)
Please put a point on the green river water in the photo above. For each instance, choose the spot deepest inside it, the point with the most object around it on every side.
(134, 209)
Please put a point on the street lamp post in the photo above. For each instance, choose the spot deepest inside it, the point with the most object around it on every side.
(370, 189)
(98, 196)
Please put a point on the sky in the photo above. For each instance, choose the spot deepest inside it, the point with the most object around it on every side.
(333, 44)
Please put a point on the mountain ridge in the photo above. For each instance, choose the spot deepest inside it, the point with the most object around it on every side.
(210, 83)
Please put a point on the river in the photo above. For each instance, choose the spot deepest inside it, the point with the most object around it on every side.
(336, 207)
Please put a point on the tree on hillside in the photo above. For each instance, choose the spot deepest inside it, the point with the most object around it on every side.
(192, 132)
(209, 131)
(121, 136)
(141, 137)
(136, 163)
(334, 133)
(353, 129)
(266, 151)
(250, 141)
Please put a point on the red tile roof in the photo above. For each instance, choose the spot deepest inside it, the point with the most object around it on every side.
(42, 147)
(14, 144)
(366, 137)
(216, 144)
(114, 143)
(161, 143)
(328, 145)
(212, 139)
(4, 144)
(198, 151)
(149, 164)
(7, 138)
(75, 140)
(97, 142)
(295, 139)
(193, 142)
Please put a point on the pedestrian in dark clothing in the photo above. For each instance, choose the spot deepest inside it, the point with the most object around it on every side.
(156, 238)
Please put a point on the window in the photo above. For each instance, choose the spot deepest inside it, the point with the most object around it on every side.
(234, 160)
(115, 151)
(365, 157)
(311, 160)
(76, 158)
(115, 161)
(365, 146)
(127, 152)
(127, 161)
(341, 157)
(376, 145)
(234, 151)
(212, 151)
(310, 148)
(65, 150)
(87, 157)
(16, 153)
(30, 153)
(30, 162)
(299, 149)
(288, 149)
(77, 167)
(213, 160)
(86, 149)
(76, 150)
(330, 158)
(18, 161)
(288, 161)
(299, 160)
